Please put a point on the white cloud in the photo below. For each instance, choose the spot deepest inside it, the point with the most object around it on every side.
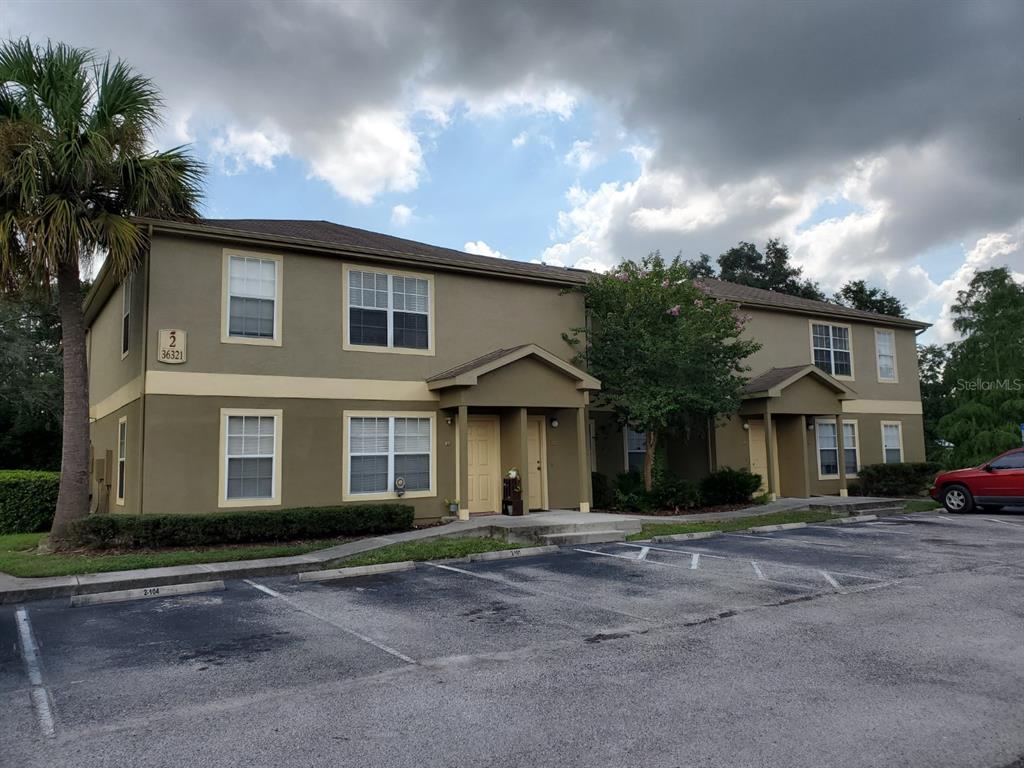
(520, 139)
(582, 155)
(401, 215)
(239, 149)
(480, 248)
(371, 153)
(530, 96)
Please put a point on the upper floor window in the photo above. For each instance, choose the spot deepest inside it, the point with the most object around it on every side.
(831, 347)
(636, 450)
(388, 311)
(885, 353)
(252, 299)
(126, 314)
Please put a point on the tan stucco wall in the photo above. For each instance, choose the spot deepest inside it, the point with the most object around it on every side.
(526, 383)
(786, 340)
(791, 432)
(107, 371)
(473, 315)
(103, 436)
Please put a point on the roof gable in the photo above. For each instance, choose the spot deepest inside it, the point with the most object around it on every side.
(468, 374)
(772, 382)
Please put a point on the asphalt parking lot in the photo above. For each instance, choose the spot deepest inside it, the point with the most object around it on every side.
(875, 644)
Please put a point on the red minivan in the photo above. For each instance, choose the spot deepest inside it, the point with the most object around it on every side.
(997, 483)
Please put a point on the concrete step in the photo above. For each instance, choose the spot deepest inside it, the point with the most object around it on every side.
(582, 537)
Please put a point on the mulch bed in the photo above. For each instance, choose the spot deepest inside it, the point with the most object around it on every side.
(678, 512)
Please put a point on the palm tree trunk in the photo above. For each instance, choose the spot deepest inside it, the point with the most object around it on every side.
(73, 496)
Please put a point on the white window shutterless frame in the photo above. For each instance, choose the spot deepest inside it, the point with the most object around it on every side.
(380, 447)
(250, 457)
(885, 355)
(831, 349)
(122, 458)
(251, 298)
(127, 288)
(828, 448)
(387, 311)
(636, 450)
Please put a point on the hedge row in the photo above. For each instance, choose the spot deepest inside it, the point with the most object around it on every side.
(27, 500)
(151, 531)
(904, 479)
(725, 486)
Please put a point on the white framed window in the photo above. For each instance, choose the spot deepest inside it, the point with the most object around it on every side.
(251, 301)
(127, 287)
(636, 449)
(892, 442)
(382, 449)
(122, 457)
(387, 311)
(828, 448)
(250, 472)
(885, 355)
(831, 350)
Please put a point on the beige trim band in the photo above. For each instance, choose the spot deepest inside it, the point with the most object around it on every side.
(306, 387)
(883, 407)
(129, 393)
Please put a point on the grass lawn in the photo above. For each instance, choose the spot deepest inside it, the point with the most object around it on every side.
(774, 518)
(431, 549)
(922, 505)
(19, 558)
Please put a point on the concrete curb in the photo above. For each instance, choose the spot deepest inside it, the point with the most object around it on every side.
(146, 593)
(779, 527)
(508, 554)
(687, 536)
(356, 570)
(846, 520)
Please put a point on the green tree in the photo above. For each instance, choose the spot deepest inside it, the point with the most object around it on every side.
(663, 349)
(75, 166)
(700, 267)
(985, 372)
(931, 363)
(770, 269)
(857, 295)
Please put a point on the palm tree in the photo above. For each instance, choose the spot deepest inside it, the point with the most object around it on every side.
(75, 167)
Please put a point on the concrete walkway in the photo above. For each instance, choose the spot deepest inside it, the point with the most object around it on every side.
(514, 529)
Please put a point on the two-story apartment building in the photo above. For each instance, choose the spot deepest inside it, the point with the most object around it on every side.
(823, 371)
(254, 364)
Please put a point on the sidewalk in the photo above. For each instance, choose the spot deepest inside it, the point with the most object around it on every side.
(17, 590)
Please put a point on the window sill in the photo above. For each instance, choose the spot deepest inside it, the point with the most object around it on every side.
(429, 351)
(388, 496)
(230, 503)
(225, 339)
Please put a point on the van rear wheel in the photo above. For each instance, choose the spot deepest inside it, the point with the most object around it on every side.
(957, 499)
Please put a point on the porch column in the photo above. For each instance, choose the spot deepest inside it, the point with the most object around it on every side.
(805, 457)
(769, 441)
(462, 460)
(523, 460)
(583, 458)
(841, 444)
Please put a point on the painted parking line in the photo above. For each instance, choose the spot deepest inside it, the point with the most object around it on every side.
(494, 579)
(789, 540)
(829, 579)
(30, 653)
(757, 570)
(674, 551)
(326, 619)
(1004, 522)
(694, 561)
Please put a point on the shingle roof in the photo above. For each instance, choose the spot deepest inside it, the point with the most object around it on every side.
(743, 294)
(473, 364)
(329, 233)
(771, 378)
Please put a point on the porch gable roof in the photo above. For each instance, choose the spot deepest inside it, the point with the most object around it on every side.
(468, 373)
(772, 382)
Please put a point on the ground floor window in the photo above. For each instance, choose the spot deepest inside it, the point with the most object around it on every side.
(385, 452)
(636, 450)
(892, 442)
(122, 453)
(828, 448)
(252, 448)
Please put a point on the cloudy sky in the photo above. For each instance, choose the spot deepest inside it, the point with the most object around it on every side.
(881, 140)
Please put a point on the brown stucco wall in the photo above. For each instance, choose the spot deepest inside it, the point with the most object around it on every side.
(731, 443)
(473, 316)
(103, 436)
(526, 383)
(107, 371)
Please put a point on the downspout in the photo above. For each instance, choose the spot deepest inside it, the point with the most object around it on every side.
(145, 361)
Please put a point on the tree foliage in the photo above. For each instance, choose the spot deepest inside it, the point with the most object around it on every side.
(931, 364)
(75, 167)
(856, 294)
(769, 269)
(664, 350)
(985, 371)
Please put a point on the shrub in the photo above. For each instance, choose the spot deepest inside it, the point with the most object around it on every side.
(903, 479)
(673, 492)
(602, 490)
(151, 531)
(728, 486)
(28, 499)
(629, 494)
